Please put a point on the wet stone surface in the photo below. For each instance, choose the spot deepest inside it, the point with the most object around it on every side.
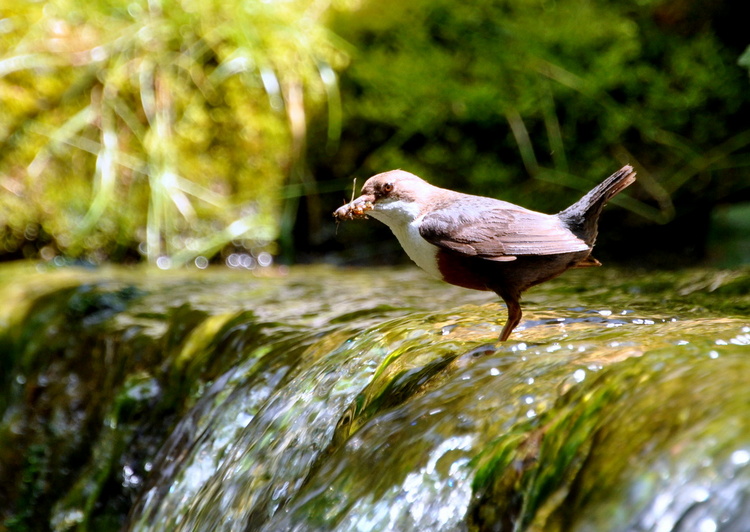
(327, 399)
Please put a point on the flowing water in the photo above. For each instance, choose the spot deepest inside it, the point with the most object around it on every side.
(326, 399)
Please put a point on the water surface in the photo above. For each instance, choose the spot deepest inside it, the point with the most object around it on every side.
(327, 399)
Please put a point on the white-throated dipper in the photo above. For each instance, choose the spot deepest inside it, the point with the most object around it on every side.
(484, 243)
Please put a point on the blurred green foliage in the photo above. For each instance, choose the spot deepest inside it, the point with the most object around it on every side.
(165, 128)
(536, 101)
(482, 95)
(178, 128)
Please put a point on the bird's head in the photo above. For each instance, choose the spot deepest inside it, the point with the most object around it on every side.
(391, 197)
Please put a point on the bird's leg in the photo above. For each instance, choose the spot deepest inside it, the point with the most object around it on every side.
(514, 316)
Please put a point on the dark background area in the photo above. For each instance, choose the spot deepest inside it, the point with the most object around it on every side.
(638, 118)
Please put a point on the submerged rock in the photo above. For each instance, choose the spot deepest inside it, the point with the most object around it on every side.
(322, 399)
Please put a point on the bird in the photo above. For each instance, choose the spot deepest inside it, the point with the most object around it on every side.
(484, 243)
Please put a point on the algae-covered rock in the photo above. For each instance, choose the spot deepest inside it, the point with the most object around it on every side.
(659, 442)
(321, 399)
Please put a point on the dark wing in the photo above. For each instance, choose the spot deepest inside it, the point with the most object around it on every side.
(499, 231)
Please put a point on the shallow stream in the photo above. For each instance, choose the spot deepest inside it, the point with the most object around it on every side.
(326, 399)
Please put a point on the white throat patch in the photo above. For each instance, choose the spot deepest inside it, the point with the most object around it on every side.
(404, 219)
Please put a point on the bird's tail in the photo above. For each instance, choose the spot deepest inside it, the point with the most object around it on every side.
(583, 215)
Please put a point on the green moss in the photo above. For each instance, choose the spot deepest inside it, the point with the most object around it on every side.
(325, 398)
(145, 130)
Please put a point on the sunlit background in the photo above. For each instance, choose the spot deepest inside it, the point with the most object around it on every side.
(205, 132)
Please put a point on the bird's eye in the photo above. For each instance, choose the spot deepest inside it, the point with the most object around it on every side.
(387, 188)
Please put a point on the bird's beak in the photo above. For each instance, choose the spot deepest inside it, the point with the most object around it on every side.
(357, 208)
